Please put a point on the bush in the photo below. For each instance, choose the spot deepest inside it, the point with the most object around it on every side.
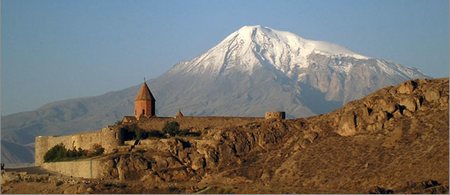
(97, 149)
(133, 132)
(172, 128)
(60, 153)
(140, 134)
(56, 153)
(155, 133)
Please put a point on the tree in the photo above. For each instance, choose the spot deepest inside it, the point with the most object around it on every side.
(97, 149)
(55, 153)
(172, 128)
(60, 153)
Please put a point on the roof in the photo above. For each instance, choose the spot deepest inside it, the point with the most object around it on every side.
(129, 117)
(144, 93)
(179, 114)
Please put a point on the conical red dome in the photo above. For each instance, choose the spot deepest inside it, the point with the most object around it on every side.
(144, 93)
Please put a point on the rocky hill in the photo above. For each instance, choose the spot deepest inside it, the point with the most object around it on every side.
(393, 140)
(387, 139)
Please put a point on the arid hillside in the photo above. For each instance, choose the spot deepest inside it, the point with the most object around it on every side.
(393, 140)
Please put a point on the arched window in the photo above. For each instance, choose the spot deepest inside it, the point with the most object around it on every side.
(143, 111)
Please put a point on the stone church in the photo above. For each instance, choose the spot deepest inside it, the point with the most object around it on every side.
(144, 104)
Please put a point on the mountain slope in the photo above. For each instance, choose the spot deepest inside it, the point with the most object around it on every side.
(253, 70)
(258, 68)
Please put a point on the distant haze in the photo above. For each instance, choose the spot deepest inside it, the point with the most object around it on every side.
(54, 50)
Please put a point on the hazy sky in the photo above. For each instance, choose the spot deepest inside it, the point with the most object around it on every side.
(58, 49)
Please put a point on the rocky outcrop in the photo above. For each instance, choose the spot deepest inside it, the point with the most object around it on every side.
(183, 159)
(391, 104)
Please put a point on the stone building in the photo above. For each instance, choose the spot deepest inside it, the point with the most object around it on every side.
(275, 115)
(179, 114)
(144, 104)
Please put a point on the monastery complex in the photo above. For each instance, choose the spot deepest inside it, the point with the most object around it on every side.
(115, 138)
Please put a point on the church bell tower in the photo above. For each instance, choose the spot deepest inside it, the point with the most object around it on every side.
(144, 104)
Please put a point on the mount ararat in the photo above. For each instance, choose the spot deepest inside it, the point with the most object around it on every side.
(253, 70)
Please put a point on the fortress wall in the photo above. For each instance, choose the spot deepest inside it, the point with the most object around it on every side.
(82, 168)
(110, 137)
(190, 122)
(105, 137)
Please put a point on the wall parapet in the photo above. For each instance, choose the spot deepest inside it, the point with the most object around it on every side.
(275, 115)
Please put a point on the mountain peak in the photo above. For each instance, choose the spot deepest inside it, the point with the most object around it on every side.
(256, 46)
(261, 34)
(251, 29)
(265, 35)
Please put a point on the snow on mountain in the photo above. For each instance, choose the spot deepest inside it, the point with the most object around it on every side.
(337, 72)
(255, 46)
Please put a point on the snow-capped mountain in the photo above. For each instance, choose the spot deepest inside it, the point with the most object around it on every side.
(253, 70)
(339, 74)
(251, 47)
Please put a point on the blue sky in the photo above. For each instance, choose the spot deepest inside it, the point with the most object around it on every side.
(58, 49)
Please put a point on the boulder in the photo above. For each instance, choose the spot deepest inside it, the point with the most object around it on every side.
(89, 190)
(311, 136)
(407, 113)
(397, 114)
(409, 103)
(372, 128)
(432, 95)
(198, 163)
(386, 106)
(379, 116)
(347, 125)
(407, 87)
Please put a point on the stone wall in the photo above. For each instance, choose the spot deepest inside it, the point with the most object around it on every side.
(82, 168)
(108, 138)
(111, 137)
(196, 122)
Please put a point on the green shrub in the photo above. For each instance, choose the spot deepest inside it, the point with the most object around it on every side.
(56, 153)
(133, 132)
(155, 133)
(97, 150)
(172, 128)
(139, 134)
(60, 153)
